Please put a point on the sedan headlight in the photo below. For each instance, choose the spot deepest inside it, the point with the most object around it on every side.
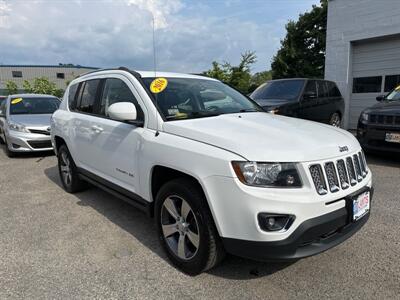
(267, 174)
(17, 127)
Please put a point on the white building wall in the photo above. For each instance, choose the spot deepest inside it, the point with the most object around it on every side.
(31, 72)
(350, 21)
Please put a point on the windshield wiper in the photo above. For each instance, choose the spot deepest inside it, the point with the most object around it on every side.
(248, 110)
(193, 115)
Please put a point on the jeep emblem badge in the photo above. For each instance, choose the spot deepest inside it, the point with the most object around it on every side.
(343, 149)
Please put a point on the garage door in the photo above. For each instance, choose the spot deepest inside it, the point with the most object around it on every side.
(376, 70)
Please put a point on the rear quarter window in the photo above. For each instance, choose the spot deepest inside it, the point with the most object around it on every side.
(88, 96)
(333, 90)
(72, 96)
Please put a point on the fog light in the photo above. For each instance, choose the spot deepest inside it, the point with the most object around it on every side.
(275, 222)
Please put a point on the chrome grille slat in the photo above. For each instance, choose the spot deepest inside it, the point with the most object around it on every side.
(363, 168)
(357, 167)
(333, 181)
(318, 179)
(343, 177)
(351, 170)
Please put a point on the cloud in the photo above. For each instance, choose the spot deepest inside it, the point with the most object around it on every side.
(109, 33)
(4, 13)
(159, 9)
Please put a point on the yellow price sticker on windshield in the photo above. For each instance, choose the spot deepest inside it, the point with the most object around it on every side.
(158, 85)
(397, 88)
(16, 100)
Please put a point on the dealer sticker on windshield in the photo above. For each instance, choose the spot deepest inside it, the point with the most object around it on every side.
(361, 206)
(16, 100)
(158, 85)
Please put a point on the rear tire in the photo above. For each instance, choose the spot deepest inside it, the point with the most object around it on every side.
(335, 120)
(68, 172)
(186, 228)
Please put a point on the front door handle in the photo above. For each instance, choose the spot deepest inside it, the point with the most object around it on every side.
(97, 129)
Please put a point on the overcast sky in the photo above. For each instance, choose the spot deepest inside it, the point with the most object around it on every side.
(107, 33)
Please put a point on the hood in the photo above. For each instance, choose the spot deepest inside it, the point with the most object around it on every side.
(265, 137)
(32, 120)
(272, 103)
(386, 107)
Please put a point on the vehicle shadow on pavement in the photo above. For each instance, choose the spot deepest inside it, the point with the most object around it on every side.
(136, 223)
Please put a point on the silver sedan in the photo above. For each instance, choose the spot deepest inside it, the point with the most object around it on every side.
(25, 122)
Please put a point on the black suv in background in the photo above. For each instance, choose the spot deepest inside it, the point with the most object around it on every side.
(311, 99)
(379, 125)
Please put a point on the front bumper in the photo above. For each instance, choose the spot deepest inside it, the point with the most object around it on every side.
(28, 142)
(372, 137)
(310, 238)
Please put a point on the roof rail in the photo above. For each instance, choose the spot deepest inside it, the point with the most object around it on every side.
(134, 73)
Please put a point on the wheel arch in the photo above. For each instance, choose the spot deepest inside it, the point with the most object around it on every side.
(58, 141)
(161, 174)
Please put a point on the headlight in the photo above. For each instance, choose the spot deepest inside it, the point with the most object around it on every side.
(17, 127)
(364, 117)
(267, 174)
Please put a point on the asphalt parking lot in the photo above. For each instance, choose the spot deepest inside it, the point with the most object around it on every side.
(92, 245)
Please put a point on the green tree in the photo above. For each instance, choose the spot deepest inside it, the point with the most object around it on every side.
(237, 76)
(258, 79)
(42, 85)
(302, 52)
(11, 87)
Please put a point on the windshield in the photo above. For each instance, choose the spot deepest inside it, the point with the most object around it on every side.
(188, 98)
(25, 106)
(394, 95)
(285, 89)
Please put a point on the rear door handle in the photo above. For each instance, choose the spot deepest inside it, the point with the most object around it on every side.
(97, 129)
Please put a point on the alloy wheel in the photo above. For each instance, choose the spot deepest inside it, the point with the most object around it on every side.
(65, 168)
(335, 120)
(180, 227)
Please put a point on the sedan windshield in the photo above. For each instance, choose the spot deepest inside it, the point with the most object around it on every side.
(282, 89)
(189, 98)
(33, 105)
(394, 95)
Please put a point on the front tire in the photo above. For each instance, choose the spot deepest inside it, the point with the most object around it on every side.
(185, 227)
(68, 172)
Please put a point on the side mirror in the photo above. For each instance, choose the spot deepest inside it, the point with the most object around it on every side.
(309, 95)
(380, 98)
(122, 111)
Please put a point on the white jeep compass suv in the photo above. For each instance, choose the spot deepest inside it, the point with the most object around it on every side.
(216, 173)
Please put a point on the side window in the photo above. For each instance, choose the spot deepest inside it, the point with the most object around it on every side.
(88, 96)
(115, 90)
(367, 84)
(311, 90)
(322, 89)
(333, 90)
(72, 96)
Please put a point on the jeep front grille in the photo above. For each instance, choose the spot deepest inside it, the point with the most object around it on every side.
(339, 174)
